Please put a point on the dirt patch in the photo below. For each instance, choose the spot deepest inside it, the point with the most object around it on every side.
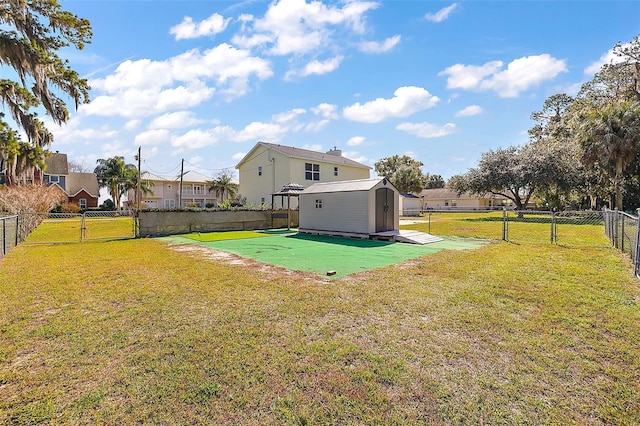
(268, 271)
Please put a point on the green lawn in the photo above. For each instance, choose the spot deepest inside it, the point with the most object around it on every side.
(136, 332)
(70, 230)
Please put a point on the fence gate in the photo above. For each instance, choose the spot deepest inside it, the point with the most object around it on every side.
(55, 228)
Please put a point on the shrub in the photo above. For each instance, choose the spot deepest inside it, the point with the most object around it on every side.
(27, 200)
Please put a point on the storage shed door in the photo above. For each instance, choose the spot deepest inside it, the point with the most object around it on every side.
(384, 210)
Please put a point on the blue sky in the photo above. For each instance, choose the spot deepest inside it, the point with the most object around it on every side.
(442, 82)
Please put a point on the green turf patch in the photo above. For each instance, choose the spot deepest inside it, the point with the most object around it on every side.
(225, 235)
(321, 254)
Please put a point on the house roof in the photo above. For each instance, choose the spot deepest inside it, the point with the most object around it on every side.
(188, 176)
(57, 164)
(305, 154)
(448, 194)
(76, 182)
(191, 176)
(344, 186)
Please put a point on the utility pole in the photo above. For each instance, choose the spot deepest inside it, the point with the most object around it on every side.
(139, 194)
(180, 191)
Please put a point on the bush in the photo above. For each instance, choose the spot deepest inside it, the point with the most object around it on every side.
(28, 199)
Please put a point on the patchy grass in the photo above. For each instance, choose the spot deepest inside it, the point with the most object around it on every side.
(132, 331)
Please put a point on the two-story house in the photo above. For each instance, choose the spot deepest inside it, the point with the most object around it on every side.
(268, 167)
(80, 188)
(167, 192)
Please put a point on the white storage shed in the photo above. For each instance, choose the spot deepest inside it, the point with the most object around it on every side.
(352, 207)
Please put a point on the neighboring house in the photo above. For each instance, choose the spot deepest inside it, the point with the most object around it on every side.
(269, 167)
(80, 188)
(166, 191)
(354, 207)
(409, 205)
(443, 198)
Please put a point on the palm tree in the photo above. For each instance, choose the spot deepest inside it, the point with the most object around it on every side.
(610, 139)
(117, 176)
(224, 186)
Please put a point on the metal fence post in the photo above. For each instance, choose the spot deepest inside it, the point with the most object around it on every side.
(505, 231)
(636, 257)
(429, 226)
(616, 219)
(4, 236)
(553, 226)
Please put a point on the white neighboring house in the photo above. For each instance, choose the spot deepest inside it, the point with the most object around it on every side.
(354, 207)
(446, 199)
(166, 191)
(268, 167)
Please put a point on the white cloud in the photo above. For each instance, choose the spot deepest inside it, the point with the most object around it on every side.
(322, 67)
(520, 75)
(261, 131)
(153, 137)
(132, 124)
(326, 110)
(315, 67)
(199, 138)
(297, 27)
(376, 47)
(288, 116)
(355, 156)
(142, 103)
(607, 58)
(144, 87)
(406, 101)
(72, 131)
(187, 29)
(356, 141)
(469, 111)
(469, 77)
(238, 156)
(427, 130)
(316, 126)
(174, 120)
(442, 14)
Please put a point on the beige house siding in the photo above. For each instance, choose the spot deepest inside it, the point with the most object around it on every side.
(441, 198)
(268, 167)
(166, 191)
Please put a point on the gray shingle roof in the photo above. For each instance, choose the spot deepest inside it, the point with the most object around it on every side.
(79, 181)
(57, 164)
(343, 186)
(306, 154)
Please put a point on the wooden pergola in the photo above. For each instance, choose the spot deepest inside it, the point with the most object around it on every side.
(289, 190)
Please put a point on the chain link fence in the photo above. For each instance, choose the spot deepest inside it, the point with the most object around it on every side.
(8, 234)
(578, 228)
(56, 228)
(622, 229)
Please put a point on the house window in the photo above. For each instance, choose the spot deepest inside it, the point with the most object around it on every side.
(83, 203)
(169, 204)
(259, 170)
(318, 204)
(311, 171)
(335, 171)
(54, 179)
